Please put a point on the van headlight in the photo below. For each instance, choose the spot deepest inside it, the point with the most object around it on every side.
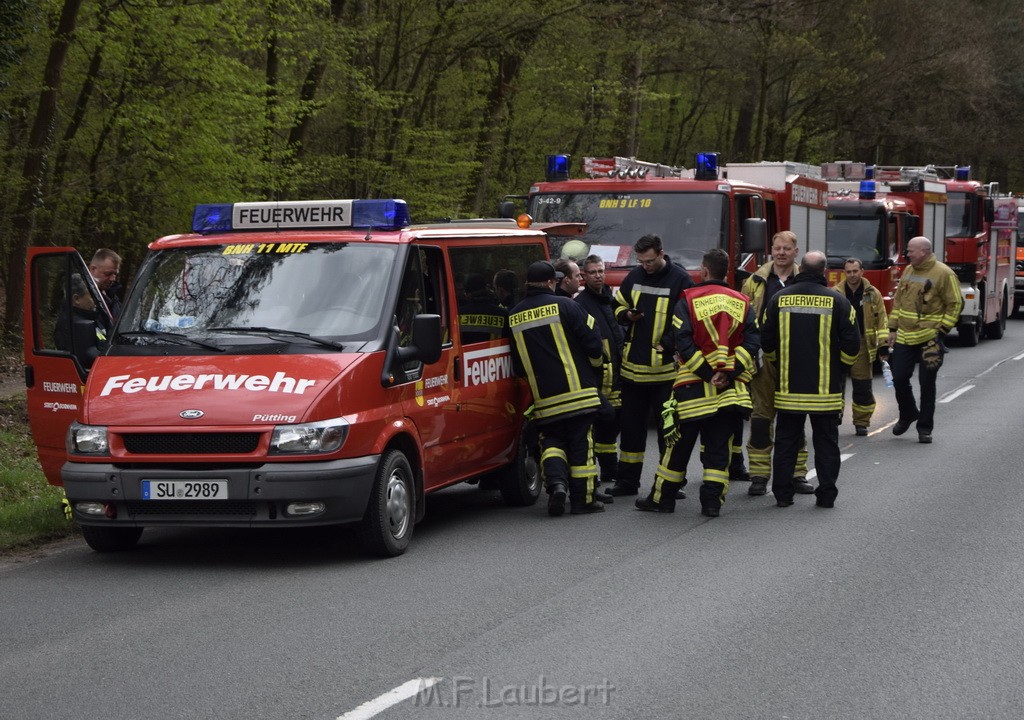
(324, 436)
(87, 439)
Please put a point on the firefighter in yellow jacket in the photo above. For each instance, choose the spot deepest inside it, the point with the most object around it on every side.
(761, 287)
(874, 339)
(926, 306)
(810, 334)
(715, 341)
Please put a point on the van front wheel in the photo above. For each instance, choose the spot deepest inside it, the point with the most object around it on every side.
(386, 528)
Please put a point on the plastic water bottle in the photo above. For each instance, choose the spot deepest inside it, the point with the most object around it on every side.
(887, 373)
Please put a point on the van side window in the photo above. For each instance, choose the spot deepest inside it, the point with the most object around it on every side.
(422, 291)
(69, 315)
(489, 281)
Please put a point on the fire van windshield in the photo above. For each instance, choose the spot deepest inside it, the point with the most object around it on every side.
(688, 223)
(327, 294)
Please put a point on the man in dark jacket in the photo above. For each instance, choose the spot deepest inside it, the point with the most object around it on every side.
(558, 350)
(810, 334)
(596, 299)
(643, 305)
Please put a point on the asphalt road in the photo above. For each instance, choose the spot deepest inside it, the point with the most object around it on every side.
(902, 602)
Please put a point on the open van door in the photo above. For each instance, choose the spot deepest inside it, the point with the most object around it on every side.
(60, 339)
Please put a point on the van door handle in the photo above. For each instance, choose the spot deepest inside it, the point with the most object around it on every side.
(456, 372)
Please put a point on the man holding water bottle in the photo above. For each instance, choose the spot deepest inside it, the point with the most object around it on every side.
(873, 325)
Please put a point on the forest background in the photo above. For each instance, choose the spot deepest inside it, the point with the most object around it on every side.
(118, 116)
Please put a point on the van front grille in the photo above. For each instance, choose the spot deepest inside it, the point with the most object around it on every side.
(216, 443)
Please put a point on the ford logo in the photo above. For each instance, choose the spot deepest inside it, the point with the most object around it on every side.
(191, 414)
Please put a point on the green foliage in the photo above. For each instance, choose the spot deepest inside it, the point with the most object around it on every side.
(30, 509)
(453, 104)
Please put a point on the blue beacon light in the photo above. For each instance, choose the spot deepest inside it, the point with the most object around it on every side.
(707, 166)
(557, 168)
(867, 189)
(380, 214)
(963, 172)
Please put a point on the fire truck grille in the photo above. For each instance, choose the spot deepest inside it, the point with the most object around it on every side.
(239, 508)
(191, 443)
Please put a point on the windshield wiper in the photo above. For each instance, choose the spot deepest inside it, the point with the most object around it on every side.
(177, 338)
(270, 332)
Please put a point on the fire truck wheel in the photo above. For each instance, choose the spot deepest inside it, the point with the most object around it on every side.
(111, 539)
(968, 333)
(995, 330)
(520, 481)
(386, 528)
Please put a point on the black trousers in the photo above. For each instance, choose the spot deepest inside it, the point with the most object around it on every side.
(905, 358)
(606, 433)
(638, 402)
(567, 457)
(789, 436)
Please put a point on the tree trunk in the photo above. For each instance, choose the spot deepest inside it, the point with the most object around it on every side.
(32, 173)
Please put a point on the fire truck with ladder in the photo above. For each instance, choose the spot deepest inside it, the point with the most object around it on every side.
(734, 207)
(872, 215)
(981, 241)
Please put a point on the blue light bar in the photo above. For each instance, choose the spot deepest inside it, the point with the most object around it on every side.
(211, 218)
(557, 168)
(963, 172)
(707, 166)
(867, 189)
(869, 172)
(301, 215)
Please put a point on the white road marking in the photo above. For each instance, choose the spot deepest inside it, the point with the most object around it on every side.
(1019, 357)
(842, 458)
(956, 393)
(391, 697)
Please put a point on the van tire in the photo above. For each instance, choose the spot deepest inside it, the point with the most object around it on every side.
(520, 481)
(111, 539)
(386, 527)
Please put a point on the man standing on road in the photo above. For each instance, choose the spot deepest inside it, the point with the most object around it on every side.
(596, 299)
(809, 334)
(559, 351)
(873, 325)
(643, 305)
(761, 287)
(925, 308)
(716, 341)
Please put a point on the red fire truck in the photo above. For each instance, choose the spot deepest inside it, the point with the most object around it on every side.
(1018, 294)
(981, 240)
(736, 208)
(874, 212)
(284, 364)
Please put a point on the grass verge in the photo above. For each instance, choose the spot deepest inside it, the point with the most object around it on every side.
(30, 509)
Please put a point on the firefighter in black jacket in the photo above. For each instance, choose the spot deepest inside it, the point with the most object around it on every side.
(810, 333)
(644, 304)
(558, 349)
(596, 299)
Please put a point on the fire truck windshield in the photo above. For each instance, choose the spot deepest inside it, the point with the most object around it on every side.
(958, 215)
(688, 223)
(331, 293)
(855, 236)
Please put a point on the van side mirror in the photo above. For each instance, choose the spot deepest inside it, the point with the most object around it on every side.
(425, 345)
(990, 210)
(755, 235)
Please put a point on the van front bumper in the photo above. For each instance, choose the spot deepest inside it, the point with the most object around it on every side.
(258, 496)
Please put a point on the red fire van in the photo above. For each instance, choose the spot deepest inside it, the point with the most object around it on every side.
(285, 364)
